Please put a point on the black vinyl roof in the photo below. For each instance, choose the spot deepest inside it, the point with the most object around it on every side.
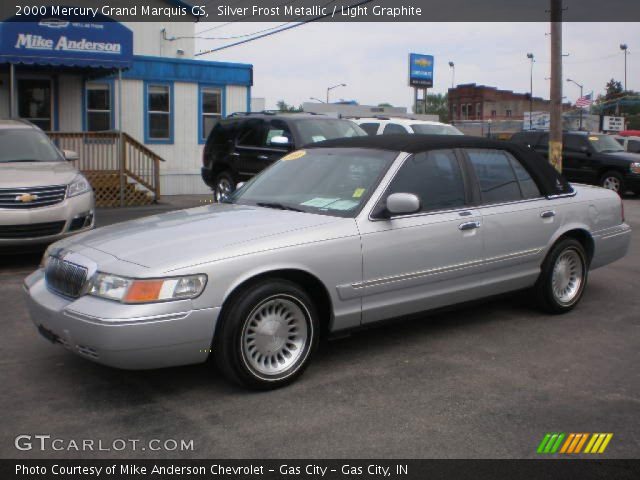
(546, 177)
(409, 143)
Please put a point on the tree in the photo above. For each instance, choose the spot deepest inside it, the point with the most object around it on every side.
(385, 105)
(614, 89)
(285, 107)
(437, 104)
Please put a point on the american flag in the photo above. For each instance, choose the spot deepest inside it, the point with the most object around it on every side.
(584, 101)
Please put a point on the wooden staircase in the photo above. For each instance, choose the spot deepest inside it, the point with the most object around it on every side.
(122, 171)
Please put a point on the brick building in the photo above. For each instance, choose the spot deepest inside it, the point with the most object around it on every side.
(480, 102)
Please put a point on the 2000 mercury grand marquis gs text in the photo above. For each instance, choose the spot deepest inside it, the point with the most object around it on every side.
(337, 236)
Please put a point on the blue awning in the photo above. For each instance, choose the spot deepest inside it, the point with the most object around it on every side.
(59, 42)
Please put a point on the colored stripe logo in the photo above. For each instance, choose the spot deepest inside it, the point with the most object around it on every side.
(572, 443)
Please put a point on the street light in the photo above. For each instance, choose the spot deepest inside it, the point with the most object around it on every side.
(624, 48)
(453, 74)
(531, 57)
(316, 99)
(335, 86)
(581, 87)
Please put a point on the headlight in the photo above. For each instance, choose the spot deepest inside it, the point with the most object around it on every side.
(77, 186)
(635, 167)
(131, 290)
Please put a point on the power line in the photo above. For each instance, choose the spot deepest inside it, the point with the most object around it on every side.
(235, 20)
(315, 19)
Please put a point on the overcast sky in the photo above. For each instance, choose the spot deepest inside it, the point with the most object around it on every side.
(372, 58)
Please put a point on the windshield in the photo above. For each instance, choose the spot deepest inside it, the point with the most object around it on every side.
(318, 129)
(329, 181)
(426, 129)
(605, 144)
(27, 146)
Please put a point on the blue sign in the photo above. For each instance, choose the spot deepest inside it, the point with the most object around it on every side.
(53, 41)
(420, 70)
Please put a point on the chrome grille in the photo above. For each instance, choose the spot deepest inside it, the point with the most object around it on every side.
(65, 277)
(32, 197)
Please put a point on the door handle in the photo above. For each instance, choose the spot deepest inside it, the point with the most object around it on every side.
(263, 157)
(469, 225)
(548, 214)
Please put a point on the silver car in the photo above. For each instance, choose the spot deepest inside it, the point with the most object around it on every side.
(338, 236)
(43, 197)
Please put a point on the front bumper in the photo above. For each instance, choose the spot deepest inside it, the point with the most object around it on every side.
(131, 337)
(67, 212)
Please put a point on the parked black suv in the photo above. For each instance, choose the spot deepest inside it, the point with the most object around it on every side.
(242, 145)
(590, 158)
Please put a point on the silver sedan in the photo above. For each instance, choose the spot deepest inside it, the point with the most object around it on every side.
(331, 238)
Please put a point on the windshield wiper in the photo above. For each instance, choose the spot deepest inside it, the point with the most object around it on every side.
(279, 206)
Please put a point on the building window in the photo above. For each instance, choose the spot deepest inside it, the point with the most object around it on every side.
(159, 113)
(454, 111)
(508, 113)
(470, 111)
(211, 110)
(494, 113)
(463, 112)
(99, 107)
(478, 111)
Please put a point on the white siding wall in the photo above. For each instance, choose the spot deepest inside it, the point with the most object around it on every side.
(236, 99)
(180, 173)
(70, 91)
(148, 39)
(4, 96)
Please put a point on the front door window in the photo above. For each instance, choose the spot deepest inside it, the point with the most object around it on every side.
(34, 102)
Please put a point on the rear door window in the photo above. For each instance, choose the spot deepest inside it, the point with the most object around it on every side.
(633, 146)
(252, 133)
(392, 128)
(278, 128)
(370, 128)
(573, 143)
(435, 177)
(495, 174)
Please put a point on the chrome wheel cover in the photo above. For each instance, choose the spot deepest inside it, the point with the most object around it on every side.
(223, 188)
(568, 276)
(275, 336)
(611, 183)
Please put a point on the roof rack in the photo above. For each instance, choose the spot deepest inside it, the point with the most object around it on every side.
(272, 112)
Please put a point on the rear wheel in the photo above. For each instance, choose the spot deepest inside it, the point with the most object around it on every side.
(267, 335)
(613, 181)
(563, 277)
(223, 185)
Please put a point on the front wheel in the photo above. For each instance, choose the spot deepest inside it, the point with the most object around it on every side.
(267, 335)
(563, 277)
(613, 181)
(223, 186)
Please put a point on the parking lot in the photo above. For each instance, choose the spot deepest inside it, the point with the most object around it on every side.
(482, 381)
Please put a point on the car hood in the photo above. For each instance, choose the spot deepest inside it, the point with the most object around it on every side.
(36, 174)
(631, 157)
(182, 238)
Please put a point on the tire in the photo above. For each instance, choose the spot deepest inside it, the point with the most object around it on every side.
(267, 335)
(563, 277)
(612, 180)
(223, 183)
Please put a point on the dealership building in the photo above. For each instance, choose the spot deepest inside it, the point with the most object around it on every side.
(129, 97)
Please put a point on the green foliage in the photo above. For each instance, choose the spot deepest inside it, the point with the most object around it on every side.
(437, 104)
(285, 107)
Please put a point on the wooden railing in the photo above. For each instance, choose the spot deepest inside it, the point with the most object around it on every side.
(121, 173)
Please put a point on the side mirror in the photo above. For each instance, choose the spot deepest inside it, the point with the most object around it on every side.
(403, 203)
(70, 155)
(279, 141)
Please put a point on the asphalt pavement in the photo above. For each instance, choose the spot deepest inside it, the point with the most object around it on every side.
(481, 381)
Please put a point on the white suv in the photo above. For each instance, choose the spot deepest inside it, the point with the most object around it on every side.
(391, 125)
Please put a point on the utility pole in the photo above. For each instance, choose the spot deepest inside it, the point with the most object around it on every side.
(555, 129)
(531, 57)
(453, 74)
(625, 49)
